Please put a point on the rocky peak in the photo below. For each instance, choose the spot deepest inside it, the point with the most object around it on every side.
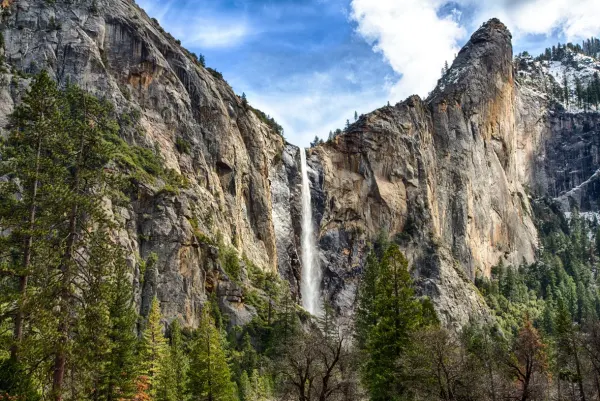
(444, 177)
(481, 67)
(441, 176)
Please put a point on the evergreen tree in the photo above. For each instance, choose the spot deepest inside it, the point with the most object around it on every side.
(249, 360)
(366, 316)
(579, 91)
(122, 367)
(246, 388)
(82, 153)
(209, 374)
(34, 125)
(27, 162)
(154, 348)
(179, 360)
(389, 306)
(568, 352)
(315, 142)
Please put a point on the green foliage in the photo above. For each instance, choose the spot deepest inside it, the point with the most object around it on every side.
(154, 350)
(562, 275)
(230, 261)
(215, 73)
(270, 121)
(183, 146)
(388, 314)
(122, 362)
(67, 286)
(179, 362)
(209, 374)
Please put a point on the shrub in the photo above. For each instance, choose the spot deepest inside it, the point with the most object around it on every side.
(183, 146)
(215, 73)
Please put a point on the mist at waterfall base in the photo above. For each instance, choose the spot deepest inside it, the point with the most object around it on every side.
(310, 283)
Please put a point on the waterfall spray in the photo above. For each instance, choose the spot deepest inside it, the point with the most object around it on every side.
(311, 272)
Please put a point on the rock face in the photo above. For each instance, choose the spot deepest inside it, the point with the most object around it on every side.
(170, 104)
(445, 177)
(559, 141)
(439, 175)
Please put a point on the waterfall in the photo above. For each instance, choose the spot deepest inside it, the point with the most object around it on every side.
(310, 284)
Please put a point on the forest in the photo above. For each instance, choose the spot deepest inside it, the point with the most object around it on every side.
(584, 95)
(70, 329)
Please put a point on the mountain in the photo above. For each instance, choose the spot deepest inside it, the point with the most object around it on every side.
(450, 177)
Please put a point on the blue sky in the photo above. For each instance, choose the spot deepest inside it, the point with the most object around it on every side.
(312, 63)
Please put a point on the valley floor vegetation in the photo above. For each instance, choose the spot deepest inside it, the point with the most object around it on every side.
(69, 329)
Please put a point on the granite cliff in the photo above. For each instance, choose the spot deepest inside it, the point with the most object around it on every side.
(449, 177)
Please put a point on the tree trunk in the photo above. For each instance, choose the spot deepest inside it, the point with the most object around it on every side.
(578, 367)
(63, 327)
(28, 244)
(60, 359)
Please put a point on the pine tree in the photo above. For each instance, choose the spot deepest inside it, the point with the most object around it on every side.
(209, 374)
(92, 328)
(393, 313)
(57, 153)
(122, 368)
(154, 347)
(355, 116)
(246, 389)
(249, 360)
(27, 162)
(35, 123)
(179, 360)
(82, 153)
(366, 317)
(579, 91)
(315, 142)
(568, 353)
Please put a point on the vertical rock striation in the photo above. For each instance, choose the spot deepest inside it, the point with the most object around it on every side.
(445, 177)
(440, 176)
(187, 115)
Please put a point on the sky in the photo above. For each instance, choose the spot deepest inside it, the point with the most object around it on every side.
(312, 63)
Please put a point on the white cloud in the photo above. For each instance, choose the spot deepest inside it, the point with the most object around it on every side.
(415, 40)
(155, 9)
(213, 33)
(575, 19)
(312, 104)
(202, 27)
(412, 38)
